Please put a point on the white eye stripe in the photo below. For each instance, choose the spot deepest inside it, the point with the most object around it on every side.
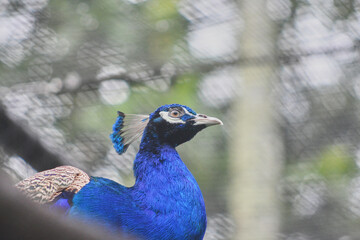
(187, 112)
(169, 119)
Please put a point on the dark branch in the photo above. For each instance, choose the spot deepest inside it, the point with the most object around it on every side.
(16, 140)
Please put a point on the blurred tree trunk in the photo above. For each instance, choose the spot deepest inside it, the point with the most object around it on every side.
(256, 151)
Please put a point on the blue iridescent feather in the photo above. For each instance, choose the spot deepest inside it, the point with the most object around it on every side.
(126, 129)
(165, 197)
(115, 136)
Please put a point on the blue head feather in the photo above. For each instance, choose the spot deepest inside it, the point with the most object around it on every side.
(166, 107)
(116, 137)
(122, 138)
(168, 129)
(127, 129)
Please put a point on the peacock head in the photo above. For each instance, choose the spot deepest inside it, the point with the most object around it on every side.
(171, 124)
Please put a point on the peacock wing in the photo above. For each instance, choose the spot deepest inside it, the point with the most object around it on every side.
(45, 186)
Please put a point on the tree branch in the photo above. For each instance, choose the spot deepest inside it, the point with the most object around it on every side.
(16, 140)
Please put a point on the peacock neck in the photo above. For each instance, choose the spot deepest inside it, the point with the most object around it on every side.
(157, 161)
(166, 188)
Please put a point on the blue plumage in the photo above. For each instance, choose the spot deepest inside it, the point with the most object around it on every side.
(116, 137)
(165, 202)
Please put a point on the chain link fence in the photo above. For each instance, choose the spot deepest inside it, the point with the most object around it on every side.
(66, 67)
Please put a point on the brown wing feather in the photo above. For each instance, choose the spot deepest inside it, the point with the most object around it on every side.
(45, 186)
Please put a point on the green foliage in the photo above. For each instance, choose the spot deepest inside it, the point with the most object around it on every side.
(160, 9)
(335, 162)
(148, 31)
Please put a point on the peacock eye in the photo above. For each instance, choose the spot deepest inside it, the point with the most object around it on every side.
(174, 113)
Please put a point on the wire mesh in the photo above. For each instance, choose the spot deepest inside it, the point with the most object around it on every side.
(66, 67)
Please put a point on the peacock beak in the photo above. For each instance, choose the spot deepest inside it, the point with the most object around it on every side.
(202, 119)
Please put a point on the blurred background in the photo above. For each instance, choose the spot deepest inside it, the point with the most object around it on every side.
(283, 75)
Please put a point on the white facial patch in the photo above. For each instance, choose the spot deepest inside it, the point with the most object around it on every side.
(187, 112)
(166, 117)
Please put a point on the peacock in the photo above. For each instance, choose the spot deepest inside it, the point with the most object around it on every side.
(164, 203)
